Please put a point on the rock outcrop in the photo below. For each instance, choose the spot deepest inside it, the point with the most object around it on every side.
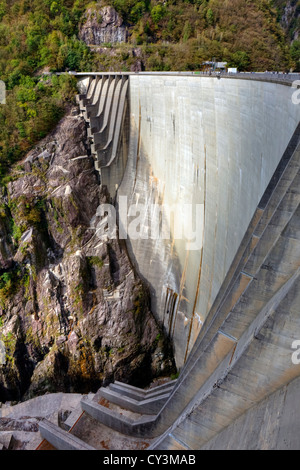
(102, 25)
(290, 18)
(73, 313)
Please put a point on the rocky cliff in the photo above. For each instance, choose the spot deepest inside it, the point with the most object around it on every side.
(102, 25)
(73, 313)
(289, 17)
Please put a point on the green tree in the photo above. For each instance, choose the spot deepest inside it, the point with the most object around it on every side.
(210, 17)
(55, 7)
(3, 6)
(241, 60)
(157, 13)
(138, 11)
(187, 31)
(295, 54)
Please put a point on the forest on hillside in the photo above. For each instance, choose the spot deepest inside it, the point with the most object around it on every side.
(43, 35)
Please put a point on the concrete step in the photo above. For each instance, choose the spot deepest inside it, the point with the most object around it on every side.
(136, 395)
(145, 406)
(105, 438)
(72, 418)
(144, 392)
(169, 442)
(75, 414)
(60, 439)
(118, 420)
(6, 438)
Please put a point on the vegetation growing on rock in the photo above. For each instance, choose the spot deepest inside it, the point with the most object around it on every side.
(39, 36)
(61, 325)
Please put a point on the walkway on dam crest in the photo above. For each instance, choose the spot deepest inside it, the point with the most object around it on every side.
(278, 77)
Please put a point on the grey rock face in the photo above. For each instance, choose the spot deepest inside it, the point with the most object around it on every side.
(102, 25)
(73, 313)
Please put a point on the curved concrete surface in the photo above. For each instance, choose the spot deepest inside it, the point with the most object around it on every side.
(200, 152)
(199, 140)
(228, 296)
(241, 366)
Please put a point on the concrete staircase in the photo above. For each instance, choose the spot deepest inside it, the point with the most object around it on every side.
(137, 400)
(103, 105)
(104, 420)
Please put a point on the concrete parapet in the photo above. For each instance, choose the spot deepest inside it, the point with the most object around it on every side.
(123, 424)
(146, 392)
(136, 394)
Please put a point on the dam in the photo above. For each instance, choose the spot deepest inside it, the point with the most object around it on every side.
(204, 174)
(194, 142)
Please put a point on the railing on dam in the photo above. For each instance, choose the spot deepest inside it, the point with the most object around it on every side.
(277, 77)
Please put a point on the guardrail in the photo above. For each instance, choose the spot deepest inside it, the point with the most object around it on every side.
(277, 77)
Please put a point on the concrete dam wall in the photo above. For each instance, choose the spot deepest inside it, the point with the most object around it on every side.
(203, 147)
(197, 142)
(223, 155)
